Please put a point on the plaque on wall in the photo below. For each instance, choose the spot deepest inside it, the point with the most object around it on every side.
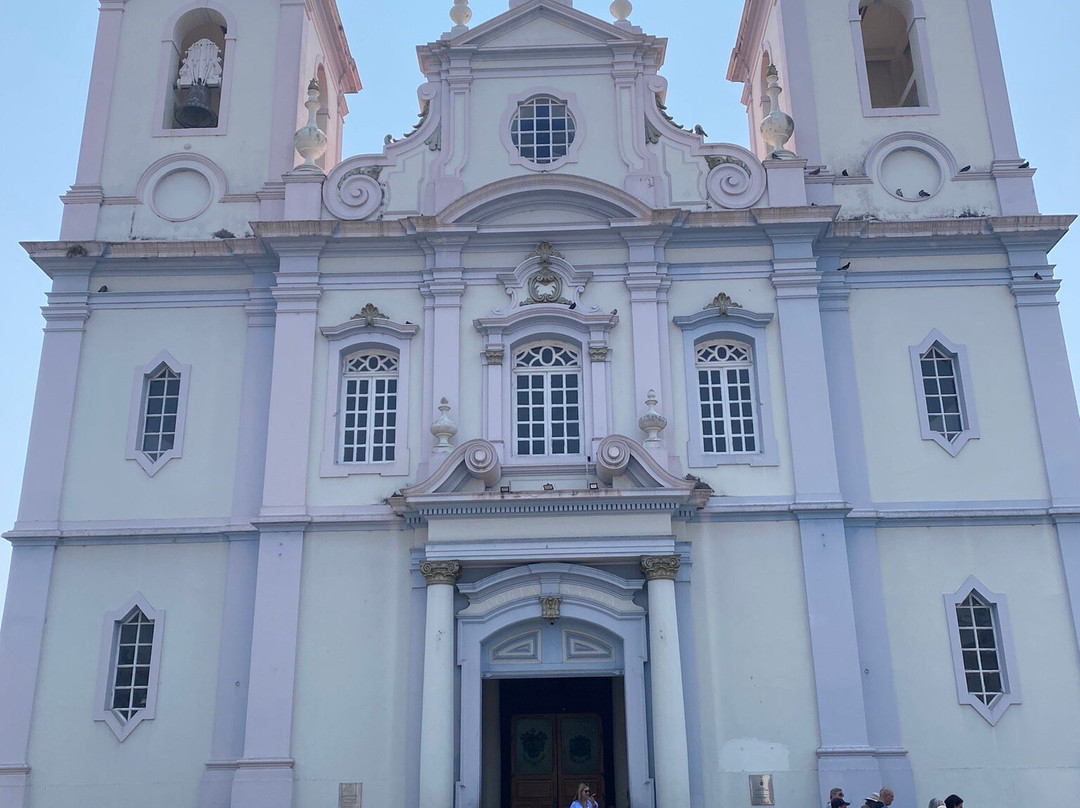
(761, 792)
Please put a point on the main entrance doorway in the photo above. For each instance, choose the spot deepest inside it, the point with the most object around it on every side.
(556, 733)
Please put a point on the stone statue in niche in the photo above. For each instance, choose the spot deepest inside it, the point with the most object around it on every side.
(201, 65)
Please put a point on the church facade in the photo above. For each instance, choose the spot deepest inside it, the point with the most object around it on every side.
(555, 443)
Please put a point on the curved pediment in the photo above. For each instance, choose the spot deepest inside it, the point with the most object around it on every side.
(563, 196)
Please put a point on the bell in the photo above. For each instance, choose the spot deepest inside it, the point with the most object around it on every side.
(195, 112)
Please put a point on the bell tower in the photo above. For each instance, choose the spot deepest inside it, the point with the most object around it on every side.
(191, 113)
(900, 106)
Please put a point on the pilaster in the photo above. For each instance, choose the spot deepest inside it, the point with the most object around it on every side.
(443, 290)
(845, 756)
(648, 284)
(286, 90)
(1055, 402)
(437, 711)
(83, 202)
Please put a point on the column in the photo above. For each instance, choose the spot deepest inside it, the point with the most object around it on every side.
(1055, 404)
(844, 757)
(264, 777)
(23, 627)
(670, 752)
(437, 711)
(288, 84)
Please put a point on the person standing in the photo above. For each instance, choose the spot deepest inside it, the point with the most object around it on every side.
(584, 797)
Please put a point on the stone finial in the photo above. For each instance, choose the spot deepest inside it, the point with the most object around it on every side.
(777, 127)
(443, 429)
(620, 10)
(460, 15)
(652, 423)
(310, 140)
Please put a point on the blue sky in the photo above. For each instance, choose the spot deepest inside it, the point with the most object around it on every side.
(44, 94)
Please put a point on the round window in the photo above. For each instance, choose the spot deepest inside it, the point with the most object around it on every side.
(542, 129)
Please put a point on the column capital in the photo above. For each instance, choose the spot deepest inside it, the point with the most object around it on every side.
(660, 568)
(440, 572)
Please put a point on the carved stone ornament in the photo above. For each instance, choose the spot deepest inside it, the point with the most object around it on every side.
(544, 278)
(369, 314)
(440, 572)
(598, 353)
(201, 65)
(736, 178)
(723, 302)
(549, 608)
(777, 127)
(660, 568)
(494, 355)
(652, 423)
(652, 134)
(310, 140)
(443, 429)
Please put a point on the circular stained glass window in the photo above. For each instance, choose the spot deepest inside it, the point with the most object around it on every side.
(542, 129)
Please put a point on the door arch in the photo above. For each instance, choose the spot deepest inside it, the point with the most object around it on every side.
(597, 630)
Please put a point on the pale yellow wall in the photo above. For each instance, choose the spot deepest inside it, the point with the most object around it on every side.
(1027, 757)
(99, 483)
(1006, 462)
(754, 678)
(353, 662)
(78, 761)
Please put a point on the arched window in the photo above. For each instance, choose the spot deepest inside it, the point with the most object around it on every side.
(196, 59)
(891, 53)
(547, 400)
(726, 397)
(369, 405)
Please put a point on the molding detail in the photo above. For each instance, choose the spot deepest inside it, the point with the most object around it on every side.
(369, 314)
(353, 193)
(736, 178)
(549, 608)
(660, 568)
(723, 302)
(440, 572)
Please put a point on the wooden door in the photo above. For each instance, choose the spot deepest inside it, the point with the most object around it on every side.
(550, 755)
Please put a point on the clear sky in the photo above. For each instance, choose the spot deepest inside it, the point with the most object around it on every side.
(46, 64)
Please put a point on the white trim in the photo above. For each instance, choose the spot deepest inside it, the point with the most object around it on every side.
(920, 57)
(504, 335)
(914, 141)
(572, 148)
(162, 168)
(135, 417)
(1010, 681)
(102, 711)
(744, 326)
(343, 340)
(964, 390)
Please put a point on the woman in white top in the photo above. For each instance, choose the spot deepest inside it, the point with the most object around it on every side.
(584, 798)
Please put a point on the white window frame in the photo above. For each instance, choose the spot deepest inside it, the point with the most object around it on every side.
(504, 335)
(1010, 681)
(964, 390)
(346, 339)
(139, 389)
(110, 638)
(737, 325)
(371, 411)
(920, 57)
(546, 374)
(572, 149)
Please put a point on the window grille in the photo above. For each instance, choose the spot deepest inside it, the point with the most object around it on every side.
(943, 407)
(160, 413)
(542, 129)
(547, 388)
(979, 647)
(369, 407)
(131, 667)
(725, 391)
